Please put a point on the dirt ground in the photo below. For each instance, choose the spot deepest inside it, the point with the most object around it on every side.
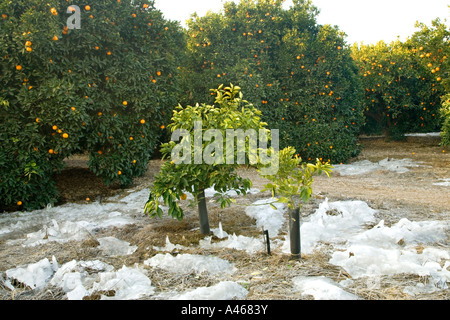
(393, 195)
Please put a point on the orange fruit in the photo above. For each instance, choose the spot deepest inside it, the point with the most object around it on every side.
(142, 121)
(28, 43)
(119, 173)
(162, 127)
(87, 8)
(19, 203)
(29, 49)
(55, 38)
(65, 135)
(55, 128)
(38, 120)
(19, 67)
(108, 53)
(158, 73)
(145, 6)
(134, 161)
(183, 197)
(54, 12)
(51, 151)
(125, 103)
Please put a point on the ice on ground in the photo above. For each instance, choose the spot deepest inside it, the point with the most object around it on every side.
(429, 134)
(225, 290)
(445, 183)
(334, 222)
(169, 247)
(249, 244)
(267, 217)
(191, 263)
(64, 223)
(127, 283)
(397, 249)
(35, 275)
(76, 278)
(403, 233)
(366, 260)
(322, 288)
(366, 166)
(112, 246)
(83, 278)
(219, 232)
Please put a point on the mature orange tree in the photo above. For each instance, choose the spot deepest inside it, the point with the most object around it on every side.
(106, 89)
(403, 81)
(298, 73)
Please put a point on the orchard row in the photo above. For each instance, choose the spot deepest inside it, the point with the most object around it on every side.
(109, 89)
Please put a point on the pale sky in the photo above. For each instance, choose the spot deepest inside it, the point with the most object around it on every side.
(361, 20)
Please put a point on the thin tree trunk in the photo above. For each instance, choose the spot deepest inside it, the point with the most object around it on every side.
(294, 232)
(203, 214)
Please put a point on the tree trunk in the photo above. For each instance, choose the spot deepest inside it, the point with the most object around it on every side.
(294, 232)
(203, 214)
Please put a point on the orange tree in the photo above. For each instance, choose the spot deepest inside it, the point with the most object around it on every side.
(432, 48)
(106, 89)
(298, 73)
(214, 167)
(403, 82)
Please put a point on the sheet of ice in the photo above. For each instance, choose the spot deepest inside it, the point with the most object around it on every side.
(249, 244)
(112, 246)
(367, 260)
(366, 166)
(404, 232)
(35, 275)
(64, 223)
(225, 290)
(429, 134)
(191, 263)
(76, 278)
(322, 288)
(266, 217)
(444, 183)
(392, 250)
(333, 222)
(127, 283)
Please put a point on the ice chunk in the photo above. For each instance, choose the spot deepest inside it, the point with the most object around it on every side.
(188, 263)
(225, 290)
(322, 288)
(112, 246)
(127, 283)
(249, 244)
(35, 275)
(335, 222)
(169, 246)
